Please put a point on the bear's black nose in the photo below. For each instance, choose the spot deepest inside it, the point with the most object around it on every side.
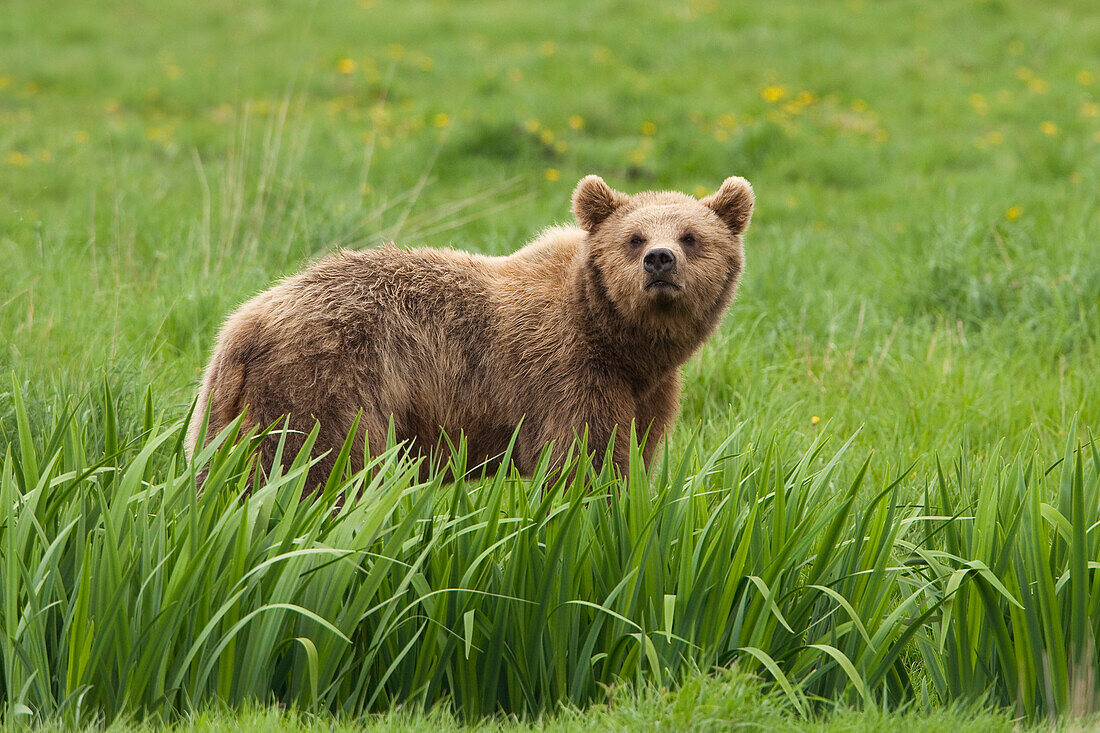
(658, 261)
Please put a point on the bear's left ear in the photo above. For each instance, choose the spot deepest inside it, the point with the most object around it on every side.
(733, 203)
(594, 201)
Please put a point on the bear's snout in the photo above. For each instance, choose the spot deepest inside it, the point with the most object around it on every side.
(659, 261)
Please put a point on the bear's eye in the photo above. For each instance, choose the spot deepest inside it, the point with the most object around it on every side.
(687, 239)
(636, 240)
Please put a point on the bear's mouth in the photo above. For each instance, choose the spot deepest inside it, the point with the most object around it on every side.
(659, 284)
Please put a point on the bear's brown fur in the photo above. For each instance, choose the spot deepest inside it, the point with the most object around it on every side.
(583, 327)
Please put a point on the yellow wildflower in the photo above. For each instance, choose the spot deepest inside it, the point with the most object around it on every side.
(977, 101)
(81, 136)
(1090, 109)
(1049, 128)
(1038, 86)
(548, 48)
(576, 122)
(649, 129)
(16, 158)
(159, 133)
(995, 137)
(514, 75)
(1076, 177)
(396, 51)
(1084, 77)
(774, 93)
(815, 420)
(441, 120)
(546, 136)
(1013, 213)
(5, 81)
(345, 66)
(173, 72)
(552, 174)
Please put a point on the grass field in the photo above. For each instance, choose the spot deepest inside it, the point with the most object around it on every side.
(923, 279)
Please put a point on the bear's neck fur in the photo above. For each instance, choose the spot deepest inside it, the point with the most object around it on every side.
(640, 351)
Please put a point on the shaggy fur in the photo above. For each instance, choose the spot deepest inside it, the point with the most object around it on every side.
(574, 330)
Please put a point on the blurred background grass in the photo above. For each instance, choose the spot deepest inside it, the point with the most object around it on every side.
(923, 261)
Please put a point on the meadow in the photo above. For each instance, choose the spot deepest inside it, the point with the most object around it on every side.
(881, 504)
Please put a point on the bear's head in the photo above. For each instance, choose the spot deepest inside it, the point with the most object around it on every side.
(664, 260)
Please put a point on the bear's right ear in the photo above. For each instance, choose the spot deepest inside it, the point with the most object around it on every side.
(594, 201)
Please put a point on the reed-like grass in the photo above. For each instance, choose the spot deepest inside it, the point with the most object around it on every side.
(1026, 630)
(126, 591)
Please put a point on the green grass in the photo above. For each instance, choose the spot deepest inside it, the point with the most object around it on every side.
(126, 593)
(727, 701)
(923, 274)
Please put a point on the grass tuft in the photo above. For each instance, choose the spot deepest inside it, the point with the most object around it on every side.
(126, 592)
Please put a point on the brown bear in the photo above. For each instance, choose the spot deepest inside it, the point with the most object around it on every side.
(585, 327)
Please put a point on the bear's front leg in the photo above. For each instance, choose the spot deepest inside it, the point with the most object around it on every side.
(601, 433)
(656, 411)
(565, 431)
